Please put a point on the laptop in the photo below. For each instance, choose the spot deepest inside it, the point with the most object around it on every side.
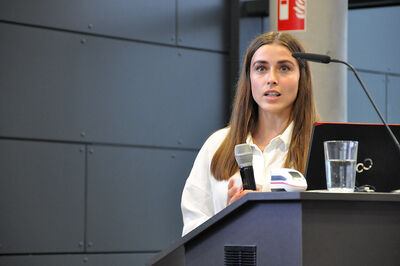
(376, 150)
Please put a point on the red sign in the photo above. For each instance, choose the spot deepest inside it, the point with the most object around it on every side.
(291, 15)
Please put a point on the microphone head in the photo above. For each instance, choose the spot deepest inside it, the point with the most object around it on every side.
(244, 155)
(319, 58)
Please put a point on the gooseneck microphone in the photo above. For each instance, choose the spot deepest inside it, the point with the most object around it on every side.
(319, 58)
(244, 158)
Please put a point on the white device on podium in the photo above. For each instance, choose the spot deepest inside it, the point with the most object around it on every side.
(286, 179)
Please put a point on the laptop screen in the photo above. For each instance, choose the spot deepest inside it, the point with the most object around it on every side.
(376, 150)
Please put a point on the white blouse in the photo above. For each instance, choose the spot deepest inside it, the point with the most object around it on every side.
(203, 196)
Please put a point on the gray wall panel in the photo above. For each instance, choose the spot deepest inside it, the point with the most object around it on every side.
(149, 20)
(134, 197)
(41, 197)
(375, 52)
(42, 260)
(360, 109)
(84, 260)
(114, 91)
(119, 259)
(203, 24)
(103, 72)
(41, 83)
(374, 38)
(249, 28)
(393, 99)
(266, 24)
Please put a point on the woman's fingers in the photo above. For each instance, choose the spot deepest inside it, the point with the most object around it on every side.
(231, 183)
(238, 195)
(236, 192)
(232, 191)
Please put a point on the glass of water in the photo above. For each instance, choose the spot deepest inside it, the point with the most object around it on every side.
(340, 165)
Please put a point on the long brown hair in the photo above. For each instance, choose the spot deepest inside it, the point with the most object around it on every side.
(245, 112)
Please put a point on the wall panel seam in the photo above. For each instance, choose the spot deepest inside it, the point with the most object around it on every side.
(98, 35)
(176, 22)
(386, 97)
(378, 72)
(101, 144)
(86, 197)
(81, 253)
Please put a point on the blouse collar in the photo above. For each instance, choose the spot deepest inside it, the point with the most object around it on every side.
(285, 137)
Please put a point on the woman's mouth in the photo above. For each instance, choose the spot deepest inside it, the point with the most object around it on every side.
(272, 93)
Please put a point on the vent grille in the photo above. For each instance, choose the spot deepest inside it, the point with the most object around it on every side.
(240, 255)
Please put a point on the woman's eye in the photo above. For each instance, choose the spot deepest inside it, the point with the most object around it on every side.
(285, 68)
(260, 68)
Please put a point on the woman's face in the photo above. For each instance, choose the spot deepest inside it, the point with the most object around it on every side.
(274, 76)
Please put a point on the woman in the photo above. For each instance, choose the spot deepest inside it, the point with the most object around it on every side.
(273, 111)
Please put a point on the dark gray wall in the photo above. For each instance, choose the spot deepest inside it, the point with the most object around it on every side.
(373, 49)
(103, 107)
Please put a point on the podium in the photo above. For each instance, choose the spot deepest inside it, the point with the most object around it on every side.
(295, 228)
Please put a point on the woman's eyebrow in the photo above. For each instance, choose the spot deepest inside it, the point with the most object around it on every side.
(285, 62)
(260, 62)
(279, 62)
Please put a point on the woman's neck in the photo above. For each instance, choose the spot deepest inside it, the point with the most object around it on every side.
(268, 127)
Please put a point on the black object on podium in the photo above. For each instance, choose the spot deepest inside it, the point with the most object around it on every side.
(375, 148)
(295, 228)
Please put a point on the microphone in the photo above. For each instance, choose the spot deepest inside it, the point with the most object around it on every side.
(244, 158)
(319, 58)
(327, 59)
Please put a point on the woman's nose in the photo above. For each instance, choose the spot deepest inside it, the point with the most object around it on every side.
(272, 78)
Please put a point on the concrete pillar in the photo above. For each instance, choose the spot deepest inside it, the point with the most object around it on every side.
(325, 33)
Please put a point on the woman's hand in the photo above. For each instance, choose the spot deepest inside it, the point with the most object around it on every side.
(236, 192)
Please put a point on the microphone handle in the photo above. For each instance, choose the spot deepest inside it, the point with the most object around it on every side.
(396, 142)
(247, 175)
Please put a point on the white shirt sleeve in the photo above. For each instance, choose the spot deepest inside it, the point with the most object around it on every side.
(197, 202)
